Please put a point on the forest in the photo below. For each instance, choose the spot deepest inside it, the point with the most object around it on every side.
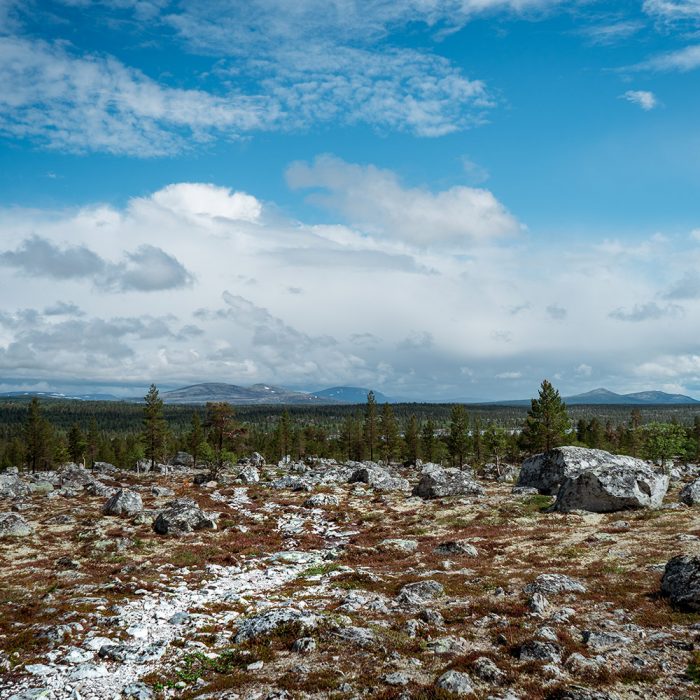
(41, 434)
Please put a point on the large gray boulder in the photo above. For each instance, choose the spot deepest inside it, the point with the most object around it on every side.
(181, 516)
(438, 483)
(123, 502)
(14, 525)
(378, 478)
(75, 477)
(681, 582)
(548, 470)
(613, 487)
(690, 494)
(268, 622)
(11, 486)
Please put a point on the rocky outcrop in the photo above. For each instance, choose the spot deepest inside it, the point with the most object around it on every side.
(11, 486)
(124, 502)
(681, 582)
(547, 471)
(182, 516)
(690, 494)
(613, 487)
(551, 584)
(269, 621)
(319, 500)
(440, 483)
(378, 478)
(14, 525)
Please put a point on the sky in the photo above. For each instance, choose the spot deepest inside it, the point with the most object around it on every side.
(437, 199)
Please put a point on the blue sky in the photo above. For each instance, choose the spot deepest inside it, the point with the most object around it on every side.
(436, 198)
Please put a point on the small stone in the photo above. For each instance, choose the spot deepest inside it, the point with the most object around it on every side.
(304, 645)
(455, 682)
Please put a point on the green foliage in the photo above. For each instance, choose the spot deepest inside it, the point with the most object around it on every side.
(154, 427)
(411, 440)
(388, 433)
(222, 428)
(547, 421)
(458, 438)
(195, 438)
(427, 440)
(38, 438)
(663, 441)
(693, 670)
(369, 429)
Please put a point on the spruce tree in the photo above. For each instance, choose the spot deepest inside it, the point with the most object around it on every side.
(411, 440)
(76, 444)
(547, 421)
(427, 440)
(458, 438)
(195, 438)
(388, 433)
(369, 429)
(92, 440)
(219, 420)
(154, 426)
(37, 438)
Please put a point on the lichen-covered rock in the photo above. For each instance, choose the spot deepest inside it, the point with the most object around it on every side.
(124, 502)
(75, 477)
(249, 474)
(181, 516)
(270, 621)
(420, 592)
(551, 584)
(535, 650)
(319, 500)
(681, 582)
(11, 486)
(457, 547)
(612, 488)
(455, 682)
(14, 525)
(548, 470)
(690, 494)
(398, 545)
(378, 478)
(440, 483)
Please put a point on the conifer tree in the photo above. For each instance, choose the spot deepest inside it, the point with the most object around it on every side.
(92, 440)
(370, 425)
(458, 438)
(547, 421)
(154, 426)
(411, 440)
(221, 426)
(37, 438)
(388, 433)
(284, 434)
(76, 443)
(427, 440)
(195, 438)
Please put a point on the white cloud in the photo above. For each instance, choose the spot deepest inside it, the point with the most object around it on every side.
(650, 311)
(642, 98)
(673, 10)
(681, 60)
(375, 199)
(584, 370)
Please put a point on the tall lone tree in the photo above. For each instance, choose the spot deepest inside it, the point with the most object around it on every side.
(369, 428)
(547, 421)
(154, 426)
(458, 437)
(388, 433)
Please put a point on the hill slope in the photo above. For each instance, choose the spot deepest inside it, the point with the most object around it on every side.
(234, 394)
(350, 394)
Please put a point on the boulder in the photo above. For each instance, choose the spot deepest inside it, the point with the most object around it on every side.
(249, 475)
(378, 478)
(547, 471)
(455, 682)
(181, 516)
(75, 477)
(182, 459)
(420, 592)
(611, 488)
(690, 494)
(552, 584)
(124, 502)
(11, 486)
(271, 620)
(458, 547)
(14, 525)
(439, 483)
(318, 500)
(681, 582)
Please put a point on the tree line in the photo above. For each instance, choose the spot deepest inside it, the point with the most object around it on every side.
(217, 433)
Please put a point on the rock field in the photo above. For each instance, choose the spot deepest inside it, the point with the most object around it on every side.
(329, 580)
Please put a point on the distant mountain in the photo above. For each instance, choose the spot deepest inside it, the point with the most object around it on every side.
(242, 395)
(350, 394)
(59, 395)
(639, 398)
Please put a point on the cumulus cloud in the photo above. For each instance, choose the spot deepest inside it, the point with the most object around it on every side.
(146, 269)
(642, 98)
(650, 311)
(681, 61)
(688, 287)
(202, 199)
(375, 199)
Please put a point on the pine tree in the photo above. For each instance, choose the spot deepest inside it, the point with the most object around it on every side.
(388, 433)
(219, 420)
(458, 438)
(154, 426)
(92, 440)
(547, 421)
(76, 444)
(427, 440)
(370, 425)
(284, 434)
(37, 438)
(411, 440)
(477, 445)
(496, 443)
(195, 438)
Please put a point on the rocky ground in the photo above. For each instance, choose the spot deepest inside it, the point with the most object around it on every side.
(334, 581)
